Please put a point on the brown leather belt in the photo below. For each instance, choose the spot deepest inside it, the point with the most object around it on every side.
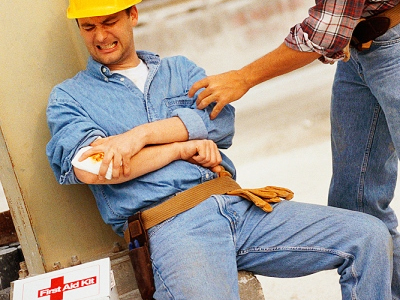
(367, 30)
(261, 197)
(370, 28)
(187, 200)
(393, 14)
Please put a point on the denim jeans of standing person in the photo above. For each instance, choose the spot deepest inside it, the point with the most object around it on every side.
(196, 254)
(365, 118)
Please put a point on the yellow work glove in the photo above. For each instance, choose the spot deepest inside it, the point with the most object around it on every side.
(262, 197)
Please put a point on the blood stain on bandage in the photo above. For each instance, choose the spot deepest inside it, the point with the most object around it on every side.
(97, 157)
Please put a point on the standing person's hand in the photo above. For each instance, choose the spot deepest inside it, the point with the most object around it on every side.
(231, 86)
(222, 89)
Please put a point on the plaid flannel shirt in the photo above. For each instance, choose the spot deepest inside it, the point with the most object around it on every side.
(330, 24)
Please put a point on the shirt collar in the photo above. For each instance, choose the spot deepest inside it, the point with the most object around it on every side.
(103, 72)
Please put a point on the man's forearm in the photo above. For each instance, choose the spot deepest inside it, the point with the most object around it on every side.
(278, 62)
(201, 152)
(163, 131)
(147, 160)
(232, 85)
(122, 147)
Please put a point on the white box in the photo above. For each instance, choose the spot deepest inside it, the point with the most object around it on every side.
(89, 281)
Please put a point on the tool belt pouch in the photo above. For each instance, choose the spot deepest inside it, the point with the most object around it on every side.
(368, 30)
(139, 254)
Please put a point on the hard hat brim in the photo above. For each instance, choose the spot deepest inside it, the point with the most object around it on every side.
(74, 13)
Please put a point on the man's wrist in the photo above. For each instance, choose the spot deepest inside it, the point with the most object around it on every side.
(177, 148)
(142, 134)
(243, 74)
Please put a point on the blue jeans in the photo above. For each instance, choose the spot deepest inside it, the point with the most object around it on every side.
(365, 120)
(196, 255)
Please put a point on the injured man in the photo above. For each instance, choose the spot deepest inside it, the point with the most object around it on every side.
(126, 127)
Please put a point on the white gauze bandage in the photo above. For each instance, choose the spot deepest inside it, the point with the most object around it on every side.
(92, 163)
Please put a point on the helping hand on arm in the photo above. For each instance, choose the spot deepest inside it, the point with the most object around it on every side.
(231, 86)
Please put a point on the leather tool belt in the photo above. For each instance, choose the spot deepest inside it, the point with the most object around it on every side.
(367, 30)
(139, 254)
(139, 223)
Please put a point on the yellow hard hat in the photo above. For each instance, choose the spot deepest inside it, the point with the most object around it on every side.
(93, 8)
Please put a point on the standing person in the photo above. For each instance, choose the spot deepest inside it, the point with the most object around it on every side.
(365, 108)
(126, 127)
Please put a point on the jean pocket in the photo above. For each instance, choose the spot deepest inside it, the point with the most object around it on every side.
(391, 36)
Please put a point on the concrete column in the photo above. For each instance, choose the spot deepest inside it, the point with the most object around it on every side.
(41, 48)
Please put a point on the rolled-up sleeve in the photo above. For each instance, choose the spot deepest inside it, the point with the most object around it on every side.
(70, 130)
(193, 122)
(198, 123)
(327, 30)
(200, 126)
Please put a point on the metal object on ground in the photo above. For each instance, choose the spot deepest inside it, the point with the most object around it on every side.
(9, 265)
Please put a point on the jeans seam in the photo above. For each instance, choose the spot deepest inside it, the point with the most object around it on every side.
(364, 165)
(314, 249)
(156, 273)
(300, 249)
(228, 214)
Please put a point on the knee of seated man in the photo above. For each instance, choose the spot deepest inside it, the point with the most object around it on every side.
(374, 230)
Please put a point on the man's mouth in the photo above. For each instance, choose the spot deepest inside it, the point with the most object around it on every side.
(107, 47)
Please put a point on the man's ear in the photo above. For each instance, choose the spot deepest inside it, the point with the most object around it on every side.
(134, 16)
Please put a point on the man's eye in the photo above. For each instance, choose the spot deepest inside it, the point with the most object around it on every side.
(110, 23)
(88, 28)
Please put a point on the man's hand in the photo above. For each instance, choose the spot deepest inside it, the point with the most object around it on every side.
(231, 86)
(222, 89)
(201, 152)
(117, 149)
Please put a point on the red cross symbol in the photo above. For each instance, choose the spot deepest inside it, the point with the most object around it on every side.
(55, 290)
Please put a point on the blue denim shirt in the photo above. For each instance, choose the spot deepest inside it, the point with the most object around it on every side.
(98, 103)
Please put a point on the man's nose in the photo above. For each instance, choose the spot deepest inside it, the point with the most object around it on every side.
(101, 34)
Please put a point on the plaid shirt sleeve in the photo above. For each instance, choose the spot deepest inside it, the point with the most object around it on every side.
(328, 28)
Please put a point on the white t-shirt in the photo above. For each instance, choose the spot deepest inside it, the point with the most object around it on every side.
(138, 74)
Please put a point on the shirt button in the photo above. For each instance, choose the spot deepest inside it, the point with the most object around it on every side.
(103, 69)
(122, 79)
(207, 176)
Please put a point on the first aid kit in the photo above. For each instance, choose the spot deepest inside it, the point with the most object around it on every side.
(89, 281)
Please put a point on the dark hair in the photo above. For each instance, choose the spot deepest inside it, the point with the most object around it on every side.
(128, 10)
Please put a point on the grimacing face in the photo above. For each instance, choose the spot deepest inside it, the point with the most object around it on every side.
(109, 39)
